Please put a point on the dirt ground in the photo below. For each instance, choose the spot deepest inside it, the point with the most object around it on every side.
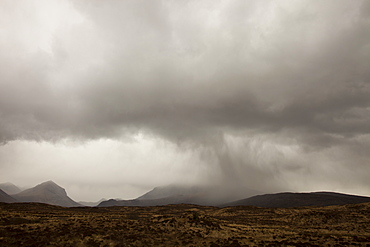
(33, 224)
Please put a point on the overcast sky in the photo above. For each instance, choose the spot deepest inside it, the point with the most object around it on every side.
(112, 98)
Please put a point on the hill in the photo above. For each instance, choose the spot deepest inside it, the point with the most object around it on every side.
(287, 199)
(4, 197)
(178, 194)
(176, 199)
(47, 192)
(10, 188)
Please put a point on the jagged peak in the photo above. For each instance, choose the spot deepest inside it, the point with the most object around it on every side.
(49, 183)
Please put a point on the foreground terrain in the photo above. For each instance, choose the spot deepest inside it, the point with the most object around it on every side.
(34, 224)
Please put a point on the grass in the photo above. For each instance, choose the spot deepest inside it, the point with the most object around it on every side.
(34, 224)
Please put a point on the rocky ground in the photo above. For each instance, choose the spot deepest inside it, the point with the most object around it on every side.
(33, 224)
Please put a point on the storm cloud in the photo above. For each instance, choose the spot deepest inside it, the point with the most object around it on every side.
(275, 91)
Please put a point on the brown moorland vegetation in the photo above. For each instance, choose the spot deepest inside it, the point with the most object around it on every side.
(35, 224)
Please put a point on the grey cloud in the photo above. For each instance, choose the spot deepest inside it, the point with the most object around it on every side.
(221, 87)
(157, 68)
(194, 72)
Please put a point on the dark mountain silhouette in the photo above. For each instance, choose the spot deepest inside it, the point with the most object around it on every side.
(47, 192)
(178, 194)
(4, 197)
(177, 199)
(10, 188)
(287, 199)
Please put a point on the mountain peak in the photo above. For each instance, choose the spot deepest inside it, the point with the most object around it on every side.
(49, 182)
(51, 187)
(10, 188)
(47, 192)
(8, 183)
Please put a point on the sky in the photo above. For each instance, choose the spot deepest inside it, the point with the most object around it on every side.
(112, 98)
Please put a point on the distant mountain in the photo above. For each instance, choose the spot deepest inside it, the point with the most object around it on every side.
(179, 199)
(47, 192)
(4, 197)
(171, 190)
(10, 188)
(91, 204)
(286, 200)
(177, 194)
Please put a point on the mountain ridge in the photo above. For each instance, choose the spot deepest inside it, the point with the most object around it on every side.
(276, 200)
(296, 199)
(47, 192)
(179, 194)
(51, 193)
(4, 197)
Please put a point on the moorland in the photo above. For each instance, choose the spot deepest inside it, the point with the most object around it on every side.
(37, 224)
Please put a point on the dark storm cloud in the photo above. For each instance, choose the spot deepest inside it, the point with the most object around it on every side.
(283, 73)
(184, 70)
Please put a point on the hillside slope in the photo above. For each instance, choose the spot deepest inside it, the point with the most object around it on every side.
(4, 197)
(287, 199)
(47, 192)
